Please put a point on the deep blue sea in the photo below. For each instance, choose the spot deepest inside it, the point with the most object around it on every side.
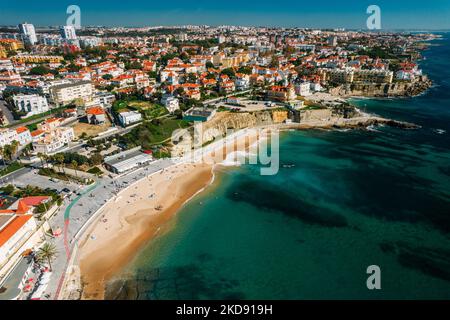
(345, 201)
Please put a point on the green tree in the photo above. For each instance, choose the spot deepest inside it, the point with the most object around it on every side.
(59, 158)
(2, 154)
(75, 166)
(228, 71)
(47, 253)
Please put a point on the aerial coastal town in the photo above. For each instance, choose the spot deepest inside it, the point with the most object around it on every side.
(87, 112)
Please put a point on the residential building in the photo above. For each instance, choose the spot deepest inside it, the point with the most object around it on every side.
(19, 232)
(129, 117)
(28, 33)
(33, 58)
(281, 93)
(69, 92)
(50, 142)
(7, 136)
(303, 89)
(31, 104)
(95, 115)
(171, 103)
(23, 135)
(68, 33)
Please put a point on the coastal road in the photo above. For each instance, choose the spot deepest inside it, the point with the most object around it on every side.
(6, 113)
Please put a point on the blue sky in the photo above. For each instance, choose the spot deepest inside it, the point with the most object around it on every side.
(432, 14)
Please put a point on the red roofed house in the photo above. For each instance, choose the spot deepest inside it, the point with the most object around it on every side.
(19, 232)
(95, 115)
(23, 135)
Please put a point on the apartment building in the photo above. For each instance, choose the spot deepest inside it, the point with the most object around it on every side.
(281, 93)
(51, 136)
(7, 136)
(66, 93)
(53, 141)
(171, 103)
(31, 104)
(21, 135)
(350, 76)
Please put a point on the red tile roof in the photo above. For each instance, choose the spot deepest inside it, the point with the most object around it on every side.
(12, 227)
(95, 111)
(35, 200)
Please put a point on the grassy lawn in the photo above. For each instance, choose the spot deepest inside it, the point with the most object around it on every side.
(120, 104)
(151, 110)
(11, 168)
(153, 132)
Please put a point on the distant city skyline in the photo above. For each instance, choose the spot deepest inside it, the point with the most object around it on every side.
(350, 14)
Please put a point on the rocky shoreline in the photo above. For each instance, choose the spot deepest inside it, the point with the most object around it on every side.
(360, 122)
(397, 89)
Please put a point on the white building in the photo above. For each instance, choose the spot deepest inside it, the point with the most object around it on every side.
(242, 83)
(68, 33)
(28, 33)
(66, 93)
(302, 89)
(171, 103)
(127, 160)
(19, 232)
(129, 117)
(31, 104)
(51, 136)
(23, 136)
(7, 136)
(6, 64)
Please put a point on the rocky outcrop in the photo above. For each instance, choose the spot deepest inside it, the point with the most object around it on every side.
(396, 89)
(226, 121)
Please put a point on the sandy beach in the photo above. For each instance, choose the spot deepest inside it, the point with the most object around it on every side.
(142, 212)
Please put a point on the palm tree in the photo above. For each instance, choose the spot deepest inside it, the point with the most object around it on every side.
(47, 253)
(3, 155)
(7, 152)
(60, 160)
(46, 158)
(14, 147)
(75, 166)
(41, 157)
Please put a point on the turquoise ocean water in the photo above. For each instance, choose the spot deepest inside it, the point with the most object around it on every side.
(341, 202)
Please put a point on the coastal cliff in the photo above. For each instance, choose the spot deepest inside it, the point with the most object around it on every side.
(397, 89)
(223, 123)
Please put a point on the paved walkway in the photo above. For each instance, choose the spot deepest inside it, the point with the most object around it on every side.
(73, 215)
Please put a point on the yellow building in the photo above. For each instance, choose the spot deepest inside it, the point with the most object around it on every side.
(11, 44)
(3, 53)
(28, 58)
